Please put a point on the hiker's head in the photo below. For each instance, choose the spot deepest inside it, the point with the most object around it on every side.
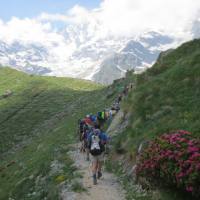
(97, 126)
(97, 131)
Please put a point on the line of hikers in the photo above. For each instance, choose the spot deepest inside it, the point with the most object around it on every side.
(94, 141)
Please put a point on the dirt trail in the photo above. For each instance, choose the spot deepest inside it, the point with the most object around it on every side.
(108, 188)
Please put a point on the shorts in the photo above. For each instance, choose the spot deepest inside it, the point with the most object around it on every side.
(97, 158)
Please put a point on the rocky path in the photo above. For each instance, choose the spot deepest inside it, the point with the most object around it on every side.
(108, 188)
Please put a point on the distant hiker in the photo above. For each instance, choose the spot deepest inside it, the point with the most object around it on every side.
(97, 141)
(110, 115)
(125, 91)
(115, 106)
(131, 86)
(106, 114)
(119, 98)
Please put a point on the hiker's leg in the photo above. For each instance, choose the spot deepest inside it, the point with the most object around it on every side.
(100, 162)
(87, 150)
(94, 166)
(87, 154)
(94, 169)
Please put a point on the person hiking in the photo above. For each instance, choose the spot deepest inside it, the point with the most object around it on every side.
(110, 116)
(96, 142)
(125, 91)
(115, 106)
(81, 124)
(119, 98)
(85, 135)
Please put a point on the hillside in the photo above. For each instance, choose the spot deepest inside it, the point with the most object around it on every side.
(165, 98)
(169, 93)
(38, 119)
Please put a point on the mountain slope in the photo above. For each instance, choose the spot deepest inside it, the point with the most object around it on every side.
(137, 54)
(166, 97)
(38, 119)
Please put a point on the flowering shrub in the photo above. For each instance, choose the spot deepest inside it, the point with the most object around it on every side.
(175, 158)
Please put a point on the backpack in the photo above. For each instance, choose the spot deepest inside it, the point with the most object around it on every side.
(95, 146)
(100, 116)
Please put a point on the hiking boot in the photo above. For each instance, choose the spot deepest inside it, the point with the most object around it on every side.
(99, 175)
(94, 179)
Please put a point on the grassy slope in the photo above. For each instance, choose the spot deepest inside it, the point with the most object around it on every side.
(167, 95)
(166, 98)
(39, 121)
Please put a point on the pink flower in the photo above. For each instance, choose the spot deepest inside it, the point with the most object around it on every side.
(189, 188)
(193, 149)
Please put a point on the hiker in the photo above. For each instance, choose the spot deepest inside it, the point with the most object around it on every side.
(131, 86)
(96, 141)
(115, 106)
(110, 115)
(119, 98)
(85, 135)
(125, 91)
(80, 128)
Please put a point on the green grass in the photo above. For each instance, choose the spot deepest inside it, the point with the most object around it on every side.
(37, 124)
(165, 98)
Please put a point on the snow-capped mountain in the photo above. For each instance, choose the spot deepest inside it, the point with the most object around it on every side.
(83, 56)
(137, 54)
(27, 58)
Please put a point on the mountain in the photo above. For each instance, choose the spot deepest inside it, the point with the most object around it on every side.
(82, 55)
(27, 58)
(138, 54)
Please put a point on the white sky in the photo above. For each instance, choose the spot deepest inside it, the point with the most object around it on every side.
(112, 17)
